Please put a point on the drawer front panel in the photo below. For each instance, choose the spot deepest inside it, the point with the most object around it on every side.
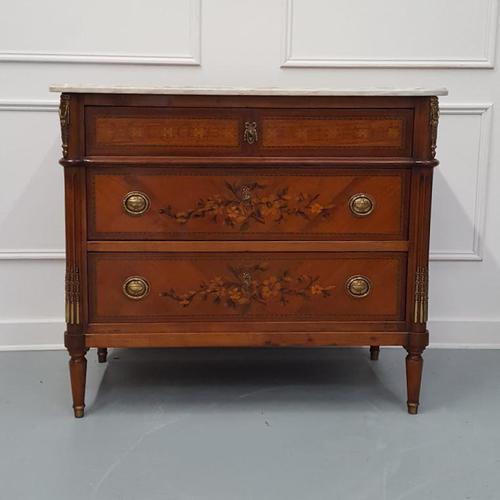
(243, 204)
(337, 132)
(162, 131)
(245, 287)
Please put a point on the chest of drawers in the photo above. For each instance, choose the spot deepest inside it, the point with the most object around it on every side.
(198, 218)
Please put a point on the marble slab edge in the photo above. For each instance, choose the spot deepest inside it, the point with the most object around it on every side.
(102, 89)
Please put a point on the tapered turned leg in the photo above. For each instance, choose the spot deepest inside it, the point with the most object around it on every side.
(102, 354)
(414, 364)
(78, 372)
(374, 352)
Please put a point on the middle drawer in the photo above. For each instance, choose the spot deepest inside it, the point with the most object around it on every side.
(163, 203)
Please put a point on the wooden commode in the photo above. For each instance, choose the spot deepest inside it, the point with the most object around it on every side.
(235, 217)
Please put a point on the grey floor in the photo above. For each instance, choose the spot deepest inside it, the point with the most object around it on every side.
(250, 424)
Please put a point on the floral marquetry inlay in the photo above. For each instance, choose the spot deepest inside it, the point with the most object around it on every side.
(331, 132)
(172, 131)
(247, 286)
(242, 206)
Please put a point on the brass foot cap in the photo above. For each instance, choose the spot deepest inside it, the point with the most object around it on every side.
(79, 411)
(412, 408)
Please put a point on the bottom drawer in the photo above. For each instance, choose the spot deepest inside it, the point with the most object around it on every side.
(277, 286)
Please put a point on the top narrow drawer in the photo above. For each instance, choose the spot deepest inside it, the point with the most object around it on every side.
(336, 132)
(164, 131)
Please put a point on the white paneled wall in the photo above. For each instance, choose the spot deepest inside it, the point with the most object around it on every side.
(285, 43)
(102, 32)
(392, 33)
(461, 181)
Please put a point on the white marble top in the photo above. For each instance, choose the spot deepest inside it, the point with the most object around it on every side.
(117, 89)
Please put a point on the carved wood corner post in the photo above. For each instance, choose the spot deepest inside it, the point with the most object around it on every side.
(418, 262)
(74, 185)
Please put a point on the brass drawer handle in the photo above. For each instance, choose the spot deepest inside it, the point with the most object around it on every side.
(250, 135)
(358, 286)
(361, 205)
(135, 287)
(136, 203)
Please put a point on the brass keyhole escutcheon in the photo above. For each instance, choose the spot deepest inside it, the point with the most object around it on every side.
(246, 193)
(250, 135)
(246, 279)
(136, 203)
(361, 205)
(136, 287)
(358, 286)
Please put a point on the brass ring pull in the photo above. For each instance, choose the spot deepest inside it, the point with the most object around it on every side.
(358, 286)
(135, 287)
(250, 135)
(361, 205)
(136, 203)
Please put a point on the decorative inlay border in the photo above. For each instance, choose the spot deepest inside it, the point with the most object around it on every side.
(231, 120)
(395, 117)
